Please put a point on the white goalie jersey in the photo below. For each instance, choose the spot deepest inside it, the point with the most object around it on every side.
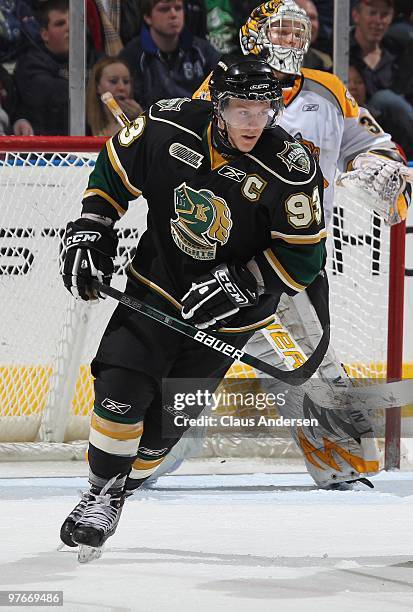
(340, 131)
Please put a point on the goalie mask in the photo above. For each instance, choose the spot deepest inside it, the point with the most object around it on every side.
(249, 79)
(278, 31)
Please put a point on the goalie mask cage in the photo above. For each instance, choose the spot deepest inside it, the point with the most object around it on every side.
(48, 339)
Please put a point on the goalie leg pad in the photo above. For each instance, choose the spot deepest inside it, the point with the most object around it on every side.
(338, 446)
(343, 447)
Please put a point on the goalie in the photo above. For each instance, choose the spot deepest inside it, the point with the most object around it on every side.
(321, 113)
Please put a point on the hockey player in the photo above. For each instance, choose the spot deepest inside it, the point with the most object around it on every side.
(321, 113)
(220, 186)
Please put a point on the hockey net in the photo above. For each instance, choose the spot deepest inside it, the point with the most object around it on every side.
(48, 339)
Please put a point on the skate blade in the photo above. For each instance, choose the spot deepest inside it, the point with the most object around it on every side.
(88, 553)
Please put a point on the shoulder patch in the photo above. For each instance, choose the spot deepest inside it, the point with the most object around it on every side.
(294, 156)
(186, 155)
(174, 104)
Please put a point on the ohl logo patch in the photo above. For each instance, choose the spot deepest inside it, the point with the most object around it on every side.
(202, 221)
(314, 150)
(294, 156)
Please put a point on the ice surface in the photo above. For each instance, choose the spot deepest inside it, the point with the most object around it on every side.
(203, 543)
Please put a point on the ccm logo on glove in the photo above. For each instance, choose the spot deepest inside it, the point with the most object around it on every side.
(240, 299)
(82, 237)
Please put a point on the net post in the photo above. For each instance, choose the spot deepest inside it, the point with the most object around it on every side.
(395, 340)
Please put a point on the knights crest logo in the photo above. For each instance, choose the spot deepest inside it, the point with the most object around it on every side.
(202, 220)
(295, 156)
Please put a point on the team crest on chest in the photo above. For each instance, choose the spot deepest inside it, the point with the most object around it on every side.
(202, 221)
(294, 156)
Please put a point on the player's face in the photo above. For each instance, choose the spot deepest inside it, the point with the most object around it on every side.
(56, 35)
(116, 79)
(373, 20)
(286, 33)
(167, 17)
(245, 121)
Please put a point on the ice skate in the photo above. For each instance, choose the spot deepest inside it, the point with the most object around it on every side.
(76, 514)
(98, 522)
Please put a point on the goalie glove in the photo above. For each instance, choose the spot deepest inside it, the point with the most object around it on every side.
(88, 255)
(219, 295)
(382, 184)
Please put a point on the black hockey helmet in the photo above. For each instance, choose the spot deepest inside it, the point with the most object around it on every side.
(247, 78)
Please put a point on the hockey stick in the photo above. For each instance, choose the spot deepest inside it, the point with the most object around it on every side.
(295, 377)
(108, 99)
(325, 396)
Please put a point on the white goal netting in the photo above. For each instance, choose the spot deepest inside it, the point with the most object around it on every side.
(47, 339)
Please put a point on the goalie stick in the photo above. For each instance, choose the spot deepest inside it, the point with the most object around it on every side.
(294, 377)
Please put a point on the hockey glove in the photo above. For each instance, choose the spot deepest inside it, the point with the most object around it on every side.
(89, 250)
(381, 184)
(219, 295)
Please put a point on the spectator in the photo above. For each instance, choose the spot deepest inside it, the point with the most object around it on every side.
(222, 24)
(109, 74)
(315, 59)
(325, 9)
(4, 122)
(166, 61)
(357, 86)
(196, 17)
(125, 17)
(18, 26)
(112, 24)
(401, 29)
(224, 19)
(42, 72)
(21, 127)
(379, 68)
(7, 91)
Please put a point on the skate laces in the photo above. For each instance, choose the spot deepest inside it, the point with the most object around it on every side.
(78, 510)
(99, 512)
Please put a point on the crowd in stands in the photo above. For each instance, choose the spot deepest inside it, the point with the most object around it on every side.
(146, 50)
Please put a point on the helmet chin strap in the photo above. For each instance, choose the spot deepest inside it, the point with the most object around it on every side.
(220, 140)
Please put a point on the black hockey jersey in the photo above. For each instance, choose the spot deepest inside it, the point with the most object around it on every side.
(204, 209)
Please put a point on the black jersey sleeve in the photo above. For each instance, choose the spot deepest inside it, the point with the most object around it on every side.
(119, 173)
(297, 251)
